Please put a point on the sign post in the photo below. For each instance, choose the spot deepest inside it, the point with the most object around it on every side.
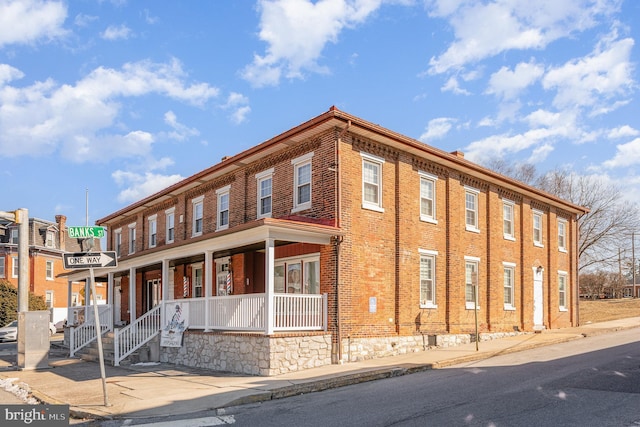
(92, 260)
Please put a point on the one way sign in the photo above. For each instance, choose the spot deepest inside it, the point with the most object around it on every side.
(90, 260)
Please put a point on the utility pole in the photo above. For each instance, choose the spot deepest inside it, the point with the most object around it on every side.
(21, 217)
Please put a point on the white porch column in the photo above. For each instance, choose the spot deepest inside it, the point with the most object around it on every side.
(69, 317)
(269, 259)
(208, 281)
(165, 290)
(110, 299)
(132, 295)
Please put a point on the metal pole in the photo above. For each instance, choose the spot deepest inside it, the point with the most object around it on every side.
(475, 311)
(633, 261)
(22, 218)
(99, 338)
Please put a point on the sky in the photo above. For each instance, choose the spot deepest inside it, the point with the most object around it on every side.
(105, 102)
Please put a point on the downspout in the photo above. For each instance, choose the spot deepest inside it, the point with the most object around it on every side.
(338, 239)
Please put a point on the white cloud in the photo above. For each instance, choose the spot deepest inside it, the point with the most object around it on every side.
(8, 74)
(488, 28)
(31, 21)
(84, 20)
(140, 186)
(34, 120)
(238, 105)
(623, 132)
(452, 85)
(297, 31)
(508, 84)
(626, 155)
(437, 128)
(180, 132)
(116, 32)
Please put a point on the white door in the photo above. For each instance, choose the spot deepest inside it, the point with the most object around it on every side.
(117, 302)
(538, 299)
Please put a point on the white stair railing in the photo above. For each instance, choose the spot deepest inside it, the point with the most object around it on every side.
(84, 334)
(130, 338)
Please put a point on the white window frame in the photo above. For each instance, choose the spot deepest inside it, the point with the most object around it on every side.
(48, 298)
(153, 231)
(197, 223)
(508, 220)
(14, 236)
(468, 281)
(562, 235)
(262, 178)
(302, 262)
(509, 285)
(562, 290)
(377, 163)
(170, 225)
(132, 238)
(299, 163)
(117, 237)
(222, 272)
(49, 273)
(224, 202)
(50, 241)
(426, 178)
(15, 268)
(473, 211)
(537, 224)
(429, 280)
(3, 267)
(197, 278)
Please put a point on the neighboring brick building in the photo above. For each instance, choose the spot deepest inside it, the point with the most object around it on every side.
(47, 242)
(396, 233)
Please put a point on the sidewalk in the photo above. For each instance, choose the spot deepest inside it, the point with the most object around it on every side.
(146, 390)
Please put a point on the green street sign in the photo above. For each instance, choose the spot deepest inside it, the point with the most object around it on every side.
(85, 232)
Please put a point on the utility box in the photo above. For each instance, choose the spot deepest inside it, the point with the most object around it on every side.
(33, 340)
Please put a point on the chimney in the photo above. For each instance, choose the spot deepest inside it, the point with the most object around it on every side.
(458, 153)
(61, 220)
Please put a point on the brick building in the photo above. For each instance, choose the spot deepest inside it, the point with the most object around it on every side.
(48, 242)
(340, 240)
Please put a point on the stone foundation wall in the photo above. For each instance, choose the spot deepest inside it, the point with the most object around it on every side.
(250, 354)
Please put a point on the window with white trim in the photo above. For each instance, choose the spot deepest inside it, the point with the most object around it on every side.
(117, 242)
(170, 224)
(537, 228)
(223, 208)
(16, 268)
(302, 182)
(48, 298)
(264, 181)
(50, 241)
(427, 197)
(428, 279)
(509, 277)
(197, 208)
(562, 235)
(14, 235)
(562, 290)
(471, 282)
(49, 270)
(471, 209)
(197, 280)
(153, 231)
(372, 182)
(132, 238)
(224, 280)
(2, 267)
(508, 227)
(297, 275)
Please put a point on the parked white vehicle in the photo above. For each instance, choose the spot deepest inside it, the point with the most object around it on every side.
(10, 331)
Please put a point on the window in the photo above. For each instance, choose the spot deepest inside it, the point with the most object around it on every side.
(372, 182)
(427, 197)
(302, 182)
(562, 235)
(224, 279)
(297, 275)
(153, 231)
(427, 279)
(197, 206)
(197, 281)
(2, 267)
(48, 298)
(537, 228)
(562, 290)
(49, 270)
(117, 242)
(132, 238)
(50, 241)
(75, 299)
(264, 184)
(223, 208)
(170, 223)
(16, 268)
(14, 236)
(508, 228)
(509, 270)
(471, 209)
(471, 282)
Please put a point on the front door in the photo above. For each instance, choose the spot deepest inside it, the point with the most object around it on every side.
(117, 302)
(538, 300)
